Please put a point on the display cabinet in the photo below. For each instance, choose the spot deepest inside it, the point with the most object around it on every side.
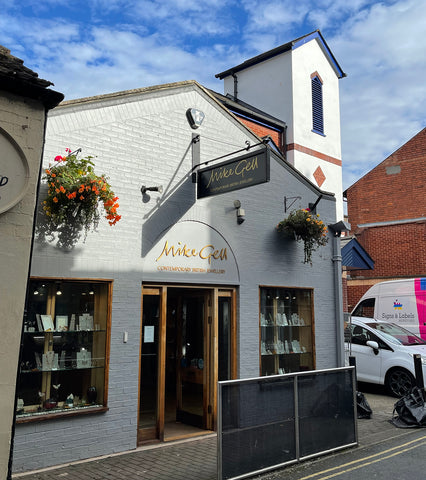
(286, 330)
(64, 351)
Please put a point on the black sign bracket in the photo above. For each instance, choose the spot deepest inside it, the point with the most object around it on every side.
(195, 155)
(288, 204)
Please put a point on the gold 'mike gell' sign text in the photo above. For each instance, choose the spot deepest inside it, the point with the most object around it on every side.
(208, 252)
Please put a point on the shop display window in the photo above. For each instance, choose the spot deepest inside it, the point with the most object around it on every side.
(64, 351)
(286, 330)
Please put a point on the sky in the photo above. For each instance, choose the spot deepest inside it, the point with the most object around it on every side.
(94, 47)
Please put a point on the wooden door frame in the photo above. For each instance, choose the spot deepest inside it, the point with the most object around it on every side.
(210, 382)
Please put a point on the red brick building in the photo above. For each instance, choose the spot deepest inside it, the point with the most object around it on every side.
(387, 212)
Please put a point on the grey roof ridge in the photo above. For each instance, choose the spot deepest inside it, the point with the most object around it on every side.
(245, 107)
(277, 51)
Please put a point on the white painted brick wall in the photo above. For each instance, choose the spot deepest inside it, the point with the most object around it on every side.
(146, 142)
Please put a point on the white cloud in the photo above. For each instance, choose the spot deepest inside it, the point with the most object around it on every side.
(383, 98)
(99, 46)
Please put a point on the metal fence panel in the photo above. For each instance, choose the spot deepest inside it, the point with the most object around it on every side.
(326, 411)
(267, 422)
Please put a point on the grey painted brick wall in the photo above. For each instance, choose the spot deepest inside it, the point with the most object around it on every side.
(144, 139)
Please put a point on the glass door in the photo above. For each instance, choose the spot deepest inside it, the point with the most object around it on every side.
(185, 331)
(194, 362)
(151, 410)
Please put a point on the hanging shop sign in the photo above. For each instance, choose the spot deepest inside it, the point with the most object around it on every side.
(14, 172)
(191, 251)
(244, 171)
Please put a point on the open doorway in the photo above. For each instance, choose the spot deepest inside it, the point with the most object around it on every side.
(188, 344)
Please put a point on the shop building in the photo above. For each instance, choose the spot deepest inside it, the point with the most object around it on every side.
(128, 332)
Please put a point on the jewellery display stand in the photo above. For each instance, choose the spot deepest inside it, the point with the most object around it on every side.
(68, 352)
(286, 331)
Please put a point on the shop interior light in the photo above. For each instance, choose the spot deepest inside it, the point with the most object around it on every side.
(58, 289)
(91, 291)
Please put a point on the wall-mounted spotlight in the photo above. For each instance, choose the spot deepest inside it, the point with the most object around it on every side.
(145, 189)
(240, 212)
(195, 117)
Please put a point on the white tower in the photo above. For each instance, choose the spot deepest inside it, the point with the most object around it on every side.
(298, 83)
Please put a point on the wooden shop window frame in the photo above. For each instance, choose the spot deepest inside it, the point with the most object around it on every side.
(275, 355)
(105, 308)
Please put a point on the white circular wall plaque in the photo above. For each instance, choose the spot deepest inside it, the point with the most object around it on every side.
(14, 172)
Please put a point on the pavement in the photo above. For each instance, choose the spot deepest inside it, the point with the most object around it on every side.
(196, 459)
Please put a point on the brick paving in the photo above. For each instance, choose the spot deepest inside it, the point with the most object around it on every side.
(194, 459)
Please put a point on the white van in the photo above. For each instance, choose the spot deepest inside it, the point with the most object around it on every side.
(398, 301)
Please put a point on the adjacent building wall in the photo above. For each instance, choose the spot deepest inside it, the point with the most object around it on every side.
(387, 211)
(22, 122)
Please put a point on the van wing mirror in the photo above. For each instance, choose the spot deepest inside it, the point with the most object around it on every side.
(374, 345)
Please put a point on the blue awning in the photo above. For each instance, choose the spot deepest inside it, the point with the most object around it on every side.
(354, 256)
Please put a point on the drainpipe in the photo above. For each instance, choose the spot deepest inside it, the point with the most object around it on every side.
(338, 301)
(337, 229)
(235, 86)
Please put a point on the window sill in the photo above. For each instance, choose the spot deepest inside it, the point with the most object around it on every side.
(318, 133)
(39, 417)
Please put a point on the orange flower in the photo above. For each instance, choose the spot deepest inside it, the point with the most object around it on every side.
(81, 197)
(55, 199)
(53, 175)
(62, 189)
(81, 189)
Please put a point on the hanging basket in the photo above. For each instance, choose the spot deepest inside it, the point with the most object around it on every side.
(75, 194)
(306, 227)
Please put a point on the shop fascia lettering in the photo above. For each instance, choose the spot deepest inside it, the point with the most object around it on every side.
(240, 169)
(207, 252)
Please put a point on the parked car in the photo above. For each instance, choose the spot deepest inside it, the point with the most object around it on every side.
(384, 353)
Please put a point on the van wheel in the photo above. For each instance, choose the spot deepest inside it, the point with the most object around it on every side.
(399, 382)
